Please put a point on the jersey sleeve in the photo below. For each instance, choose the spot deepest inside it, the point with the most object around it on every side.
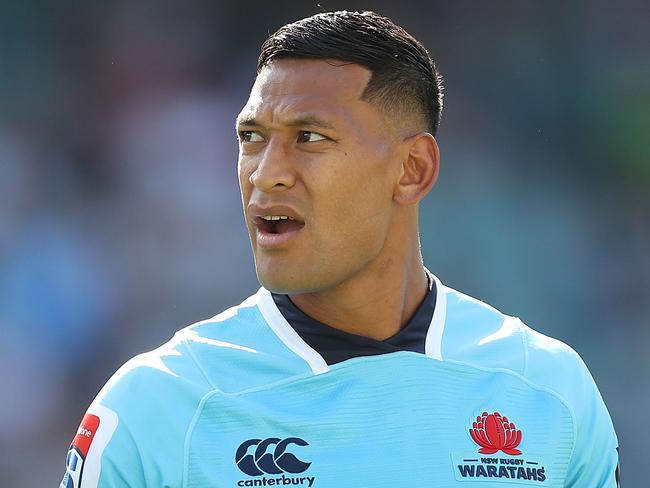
(594, 460)
(133, 434)
(102, 453)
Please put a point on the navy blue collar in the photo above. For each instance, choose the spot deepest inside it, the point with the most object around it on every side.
(335, 345)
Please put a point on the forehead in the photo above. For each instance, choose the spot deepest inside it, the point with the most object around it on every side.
(289, 87)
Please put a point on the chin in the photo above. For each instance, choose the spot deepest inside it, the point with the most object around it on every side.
(281, 286)
(290, 275)
(287, 281)
(277, 279)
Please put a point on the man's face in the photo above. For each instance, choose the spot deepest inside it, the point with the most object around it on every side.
(321, 160)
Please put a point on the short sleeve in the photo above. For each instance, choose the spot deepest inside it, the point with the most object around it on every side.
(555, 365)
(594, 462)
(134, 432)
(102, 453)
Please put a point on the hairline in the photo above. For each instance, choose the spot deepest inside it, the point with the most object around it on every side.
(376, 97)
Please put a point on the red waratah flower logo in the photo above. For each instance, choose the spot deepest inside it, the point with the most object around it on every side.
(495, 433)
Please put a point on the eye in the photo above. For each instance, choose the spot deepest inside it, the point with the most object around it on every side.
(308, 136)
(250, 136)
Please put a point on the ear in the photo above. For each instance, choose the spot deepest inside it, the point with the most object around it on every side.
(419, 169)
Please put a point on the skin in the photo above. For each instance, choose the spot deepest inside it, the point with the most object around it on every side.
(355, 175)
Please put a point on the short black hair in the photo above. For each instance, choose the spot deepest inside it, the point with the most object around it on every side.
(404, 77)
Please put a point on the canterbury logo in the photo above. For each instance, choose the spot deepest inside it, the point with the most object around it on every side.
(266, 459)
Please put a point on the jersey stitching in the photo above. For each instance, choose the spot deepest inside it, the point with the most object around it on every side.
(574, 423)
(575, 436)
(350, 363)
(190, 427)
(188, 435)
(528, 381)
(204, 373)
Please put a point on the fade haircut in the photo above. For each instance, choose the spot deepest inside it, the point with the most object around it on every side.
(404, 78)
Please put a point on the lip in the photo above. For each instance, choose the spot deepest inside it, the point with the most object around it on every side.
(255, 210)
(267, 240)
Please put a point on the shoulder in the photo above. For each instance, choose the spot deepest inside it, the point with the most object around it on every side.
(134, 432)
(162, 387)
(234, 350)
(175, 370)
(154, 375)
(478, 334)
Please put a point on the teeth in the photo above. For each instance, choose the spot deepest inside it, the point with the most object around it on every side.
(276, 217)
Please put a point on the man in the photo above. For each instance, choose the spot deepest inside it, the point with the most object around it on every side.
(353, 366)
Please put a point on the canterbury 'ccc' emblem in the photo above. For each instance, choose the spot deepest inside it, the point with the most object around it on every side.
(275, 462)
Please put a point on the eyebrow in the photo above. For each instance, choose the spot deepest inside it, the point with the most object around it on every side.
(309, 120)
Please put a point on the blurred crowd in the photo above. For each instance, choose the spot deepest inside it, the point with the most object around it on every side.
(120, 219)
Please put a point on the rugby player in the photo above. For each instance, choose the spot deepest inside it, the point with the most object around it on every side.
(353, 365)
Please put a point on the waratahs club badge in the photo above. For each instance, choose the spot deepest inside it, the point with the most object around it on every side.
(494, 432)
(497, 456)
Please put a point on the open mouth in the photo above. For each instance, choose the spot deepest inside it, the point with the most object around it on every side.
(278, 224)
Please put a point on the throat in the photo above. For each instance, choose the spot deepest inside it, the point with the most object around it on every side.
(361, 321)
(377, 316)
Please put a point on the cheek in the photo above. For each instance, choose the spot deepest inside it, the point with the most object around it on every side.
(355, 206)
(244, 173)
(363, 187)
(246, 190)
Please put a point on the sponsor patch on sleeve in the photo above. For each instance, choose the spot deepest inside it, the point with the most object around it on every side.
(86, 433)
(86, 449)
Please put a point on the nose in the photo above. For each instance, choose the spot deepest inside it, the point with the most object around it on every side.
(274, 171)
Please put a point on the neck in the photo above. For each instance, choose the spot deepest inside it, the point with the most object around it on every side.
(377, 301)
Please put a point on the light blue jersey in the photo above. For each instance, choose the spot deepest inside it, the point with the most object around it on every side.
(242, 400)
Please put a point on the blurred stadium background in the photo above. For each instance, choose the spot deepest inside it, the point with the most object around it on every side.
(120, 219)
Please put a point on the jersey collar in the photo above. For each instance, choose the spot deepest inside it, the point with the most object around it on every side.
(321, 345)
